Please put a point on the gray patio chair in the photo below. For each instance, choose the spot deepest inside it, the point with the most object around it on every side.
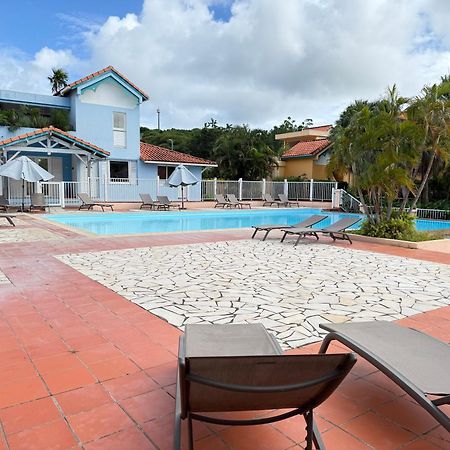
(164, 200)
(307, 223)
(9, 218)
(221, 202)
(285, 201)
(231, 198)
(88, 203)
(336, 230)
(148, 202)
(415, 361)
(268, 200)
(4, 203)
(229, 368)
(38, 202)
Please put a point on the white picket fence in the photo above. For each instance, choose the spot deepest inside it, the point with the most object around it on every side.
(65, 193)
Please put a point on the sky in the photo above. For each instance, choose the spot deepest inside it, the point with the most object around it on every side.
(237, 61)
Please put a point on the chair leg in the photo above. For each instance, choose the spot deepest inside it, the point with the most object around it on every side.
(284, 235)
(309, 430)
(190, 433)
(267, 233)
(254, 233)
(317, 438)
(298, 239)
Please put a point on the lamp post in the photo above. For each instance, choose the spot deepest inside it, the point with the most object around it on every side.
(158, 113)
(171, 144)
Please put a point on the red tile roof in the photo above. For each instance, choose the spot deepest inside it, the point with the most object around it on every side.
(56, 131)
(306, 148)
(151, 153)
(70, 86)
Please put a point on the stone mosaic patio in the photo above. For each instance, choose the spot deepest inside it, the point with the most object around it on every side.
(12, 235)
(291, 290)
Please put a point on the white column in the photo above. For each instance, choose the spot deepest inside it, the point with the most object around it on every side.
(263, 186)
(311, 189)
(157, 185)
(240, 189)
(105, 185)
(286, 187)
(62, 199)
(215, 187)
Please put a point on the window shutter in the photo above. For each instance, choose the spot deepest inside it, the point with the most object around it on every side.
(132, 172)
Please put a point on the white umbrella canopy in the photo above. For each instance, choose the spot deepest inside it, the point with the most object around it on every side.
(23, 168)
(182, 176)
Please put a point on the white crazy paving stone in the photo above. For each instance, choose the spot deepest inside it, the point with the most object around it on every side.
(291, 290)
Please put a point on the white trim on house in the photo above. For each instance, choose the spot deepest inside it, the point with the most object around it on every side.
(171, 163)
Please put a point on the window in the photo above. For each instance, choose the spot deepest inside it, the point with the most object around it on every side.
(164, 172)
(123, 171)
(119, 129)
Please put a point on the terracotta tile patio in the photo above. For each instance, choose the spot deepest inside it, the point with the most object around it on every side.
(81, 367)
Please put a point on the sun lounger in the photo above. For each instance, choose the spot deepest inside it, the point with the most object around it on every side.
(268, 200)
(4, 203)
(307, 223)
(233, 201)
(228, 368)
(88, 203)
(336, 230)
(38, 202)
(166, 203)
(285, 201)
(221, 202)
(415, 361)
(9, 218)
(148, 202)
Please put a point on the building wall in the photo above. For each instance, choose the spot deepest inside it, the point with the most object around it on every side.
(297, 167)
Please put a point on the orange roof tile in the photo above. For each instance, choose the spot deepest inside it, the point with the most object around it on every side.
(306, 148)
(56, 131)
(150, 153)
(70, 86)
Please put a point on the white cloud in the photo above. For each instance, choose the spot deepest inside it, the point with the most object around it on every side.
(306, 59)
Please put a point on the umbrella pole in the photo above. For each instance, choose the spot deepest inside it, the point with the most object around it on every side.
(182, 197)
(23, 195)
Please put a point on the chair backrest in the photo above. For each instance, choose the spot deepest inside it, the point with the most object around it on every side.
(283, 197)
(310, 221)
(268, 198)
(342, 224)
(38, 199)
(85, 198)
(146, 199)
(220, 198)
(3, 201)
(237, 383)
(232, 198)
(163, 199)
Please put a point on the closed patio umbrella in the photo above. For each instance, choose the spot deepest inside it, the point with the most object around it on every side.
(182, 176)
(23, 168)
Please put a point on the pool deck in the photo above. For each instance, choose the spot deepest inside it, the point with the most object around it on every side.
(82, 367)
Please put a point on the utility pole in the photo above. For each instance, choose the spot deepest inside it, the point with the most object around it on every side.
(158, 113)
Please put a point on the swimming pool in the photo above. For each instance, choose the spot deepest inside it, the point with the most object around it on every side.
(154, 222)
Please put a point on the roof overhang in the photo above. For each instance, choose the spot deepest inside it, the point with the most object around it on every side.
(52, 140)
(171, 163)
(315, 155)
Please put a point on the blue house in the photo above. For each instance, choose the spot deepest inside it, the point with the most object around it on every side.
(102, 152)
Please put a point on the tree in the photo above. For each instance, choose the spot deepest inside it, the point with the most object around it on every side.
(375, 143)
(243, 153)
(430, 111)
(58, 79)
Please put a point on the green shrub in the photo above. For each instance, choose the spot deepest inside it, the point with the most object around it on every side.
(401, 227)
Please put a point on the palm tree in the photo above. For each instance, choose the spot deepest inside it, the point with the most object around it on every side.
(431, 112)
(58, 79)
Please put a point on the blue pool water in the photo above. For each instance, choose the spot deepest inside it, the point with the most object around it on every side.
(152, 222)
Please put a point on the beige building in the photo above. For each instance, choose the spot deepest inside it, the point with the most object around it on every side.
(306, 154)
